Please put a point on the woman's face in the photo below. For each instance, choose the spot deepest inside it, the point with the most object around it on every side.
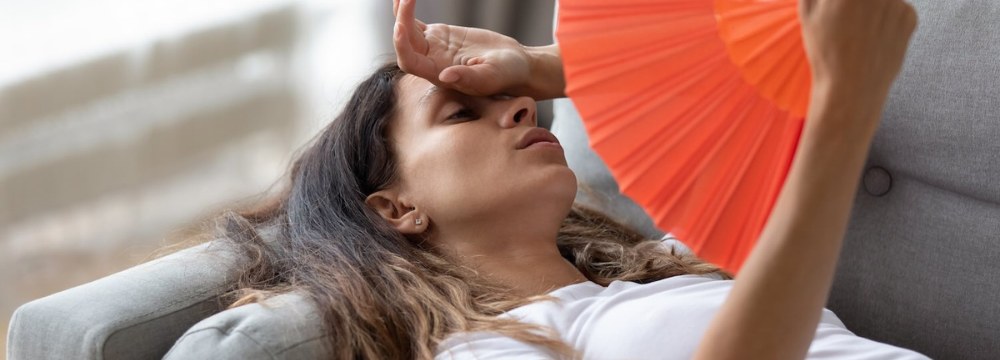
(460, 164)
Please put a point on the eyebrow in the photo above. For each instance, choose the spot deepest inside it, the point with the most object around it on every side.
(427, 96)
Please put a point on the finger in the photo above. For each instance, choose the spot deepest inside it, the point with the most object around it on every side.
(452, 74)
(902, 19)
(409, 60)
(416, 35)
(395, 13)
(911, 17)
(413, 39)
(479, 79)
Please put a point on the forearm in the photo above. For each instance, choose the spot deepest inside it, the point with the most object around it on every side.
(777, 299)
(547, 81)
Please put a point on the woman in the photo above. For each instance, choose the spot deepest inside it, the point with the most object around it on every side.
(432, 218)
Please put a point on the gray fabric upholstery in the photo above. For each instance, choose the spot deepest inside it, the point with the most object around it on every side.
(918, 269)
(134, 314)
(284, 327)
(919, 263)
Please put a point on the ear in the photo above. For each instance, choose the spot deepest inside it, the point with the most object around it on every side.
(400, 214)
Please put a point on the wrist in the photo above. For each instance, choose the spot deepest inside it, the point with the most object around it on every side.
(546, 79)
(841, 112)
(856, 97)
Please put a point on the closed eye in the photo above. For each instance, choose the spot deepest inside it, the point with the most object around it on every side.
(464, 113)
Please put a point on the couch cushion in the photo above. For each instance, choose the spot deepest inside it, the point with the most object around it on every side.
(919, 263)
(918, 270)
(133, 314)
(287, 326)
(941, 124)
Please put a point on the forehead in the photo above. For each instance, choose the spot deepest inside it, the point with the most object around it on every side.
(414, 92)
(412, 105)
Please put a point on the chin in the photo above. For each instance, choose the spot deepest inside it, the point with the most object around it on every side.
(561, 182)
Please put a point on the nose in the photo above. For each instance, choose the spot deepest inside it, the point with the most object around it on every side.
(520, 111)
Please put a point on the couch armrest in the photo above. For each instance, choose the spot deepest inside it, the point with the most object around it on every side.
(136, 313)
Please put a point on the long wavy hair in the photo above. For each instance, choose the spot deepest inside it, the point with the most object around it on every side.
(383, 295)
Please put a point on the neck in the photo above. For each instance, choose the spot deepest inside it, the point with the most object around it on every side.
(530, 274)
(528, 262)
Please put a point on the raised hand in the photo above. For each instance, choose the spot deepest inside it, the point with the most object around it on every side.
(857, 46)
(474, 61)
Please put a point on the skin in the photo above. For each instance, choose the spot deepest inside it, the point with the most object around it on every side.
(489, 205)
(855, 49)
(475, 61)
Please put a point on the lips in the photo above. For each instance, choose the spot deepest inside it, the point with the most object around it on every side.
(536, 135)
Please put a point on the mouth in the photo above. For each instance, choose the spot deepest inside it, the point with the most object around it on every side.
(537, 136)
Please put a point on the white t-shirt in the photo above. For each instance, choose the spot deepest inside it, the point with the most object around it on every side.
(664, 319)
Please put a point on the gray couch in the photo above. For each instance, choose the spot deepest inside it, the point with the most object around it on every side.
(918, 269)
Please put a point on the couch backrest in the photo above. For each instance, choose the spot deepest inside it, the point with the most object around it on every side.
(920, 259)
(134, 314)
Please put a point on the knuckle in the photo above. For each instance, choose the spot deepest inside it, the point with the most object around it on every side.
(910, 13)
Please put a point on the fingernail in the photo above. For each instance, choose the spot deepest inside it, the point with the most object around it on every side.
(449, 77)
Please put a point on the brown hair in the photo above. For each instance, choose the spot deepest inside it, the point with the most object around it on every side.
(382, 295)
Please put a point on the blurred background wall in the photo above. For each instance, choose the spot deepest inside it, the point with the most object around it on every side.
(125, 125)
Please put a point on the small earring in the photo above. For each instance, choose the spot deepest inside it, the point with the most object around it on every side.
(418, 221)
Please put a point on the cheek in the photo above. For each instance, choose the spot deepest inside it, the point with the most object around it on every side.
(454, 173)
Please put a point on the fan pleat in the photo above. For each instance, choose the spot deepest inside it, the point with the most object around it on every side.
(597, 7)
(774, 74)
(726, 188)
(651, 165)
(686, 29)
(746, 10)
(764, 39)
(648, 116)
(695, 106)
(764, 46)
(723, 191)
(711, 152)
(737, 215)
(739, 32)
(679, 95)
(747, 157)
(757, 212)
(708, 113)
(630, 62)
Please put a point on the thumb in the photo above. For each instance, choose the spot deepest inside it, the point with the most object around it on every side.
(479, 79)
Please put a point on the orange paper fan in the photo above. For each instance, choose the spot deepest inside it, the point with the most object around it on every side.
(696, 106)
